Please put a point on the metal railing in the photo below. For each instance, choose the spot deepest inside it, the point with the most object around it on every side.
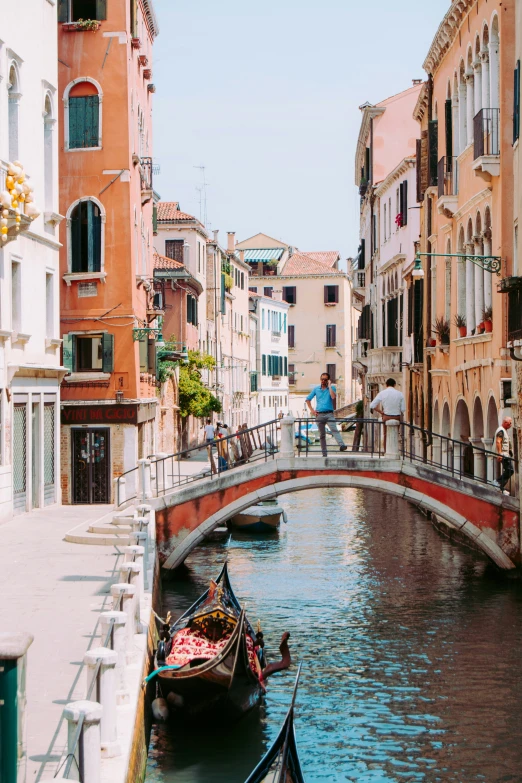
(460, 459)
(486, 139)
(244, 446)
(448, 176)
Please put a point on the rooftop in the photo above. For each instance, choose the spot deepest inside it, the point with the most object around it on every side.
(162, 262)
(307, 264)
(169, 211)
(328, 257)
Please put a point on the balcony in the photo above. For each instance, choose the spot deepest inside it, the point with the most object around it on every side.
(512, 286)
(146, 171)
(385, 361)
(486, 144)
(359, 280)
(448, 185)
(360, 351)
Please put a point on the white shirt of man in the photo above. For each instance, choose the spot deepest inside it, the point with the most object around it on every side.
(209, 431)
(506, 445)
(391, 401)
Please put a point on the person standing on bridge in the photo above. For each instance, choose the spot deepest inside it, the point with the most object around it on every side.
(505, 453)
(325, 395)
(390, 404)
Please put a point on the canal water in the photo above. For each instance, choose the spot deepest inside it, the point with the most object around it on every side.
(410, 648)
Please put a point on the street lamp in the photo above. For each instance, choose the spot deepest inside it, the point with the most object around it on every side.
(418, 271)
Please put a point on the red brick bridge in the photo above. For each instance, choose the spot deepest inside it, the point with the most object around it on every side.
(470, 512)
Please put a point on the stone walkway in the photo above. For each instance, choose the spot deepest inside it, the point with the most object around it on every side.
(56, 591)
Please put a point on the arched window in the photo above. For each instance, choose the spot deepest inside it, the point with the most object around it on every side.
(13, 92)
(48, 154)
(85, 237)
(83, 115)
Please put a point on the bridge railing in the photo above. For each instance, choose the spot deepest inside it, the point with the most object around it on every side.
(459, 458)
(162, 472)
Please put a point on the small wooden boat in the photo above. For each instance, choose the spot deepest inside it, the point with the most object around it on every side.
(264, 517)
(281, 763)
(211, 660)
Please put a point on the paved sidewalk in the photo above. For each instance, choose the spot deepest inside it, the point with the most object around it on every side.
(56, 591)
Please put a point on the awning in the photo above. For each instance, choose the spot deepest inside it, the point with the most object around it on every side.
(264, 254)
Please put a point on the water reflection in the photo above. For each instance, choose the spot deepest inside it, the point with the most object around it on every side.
(410, 649)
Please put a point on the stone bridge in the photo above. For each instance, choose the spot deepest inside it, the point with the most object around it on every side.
(468, 511)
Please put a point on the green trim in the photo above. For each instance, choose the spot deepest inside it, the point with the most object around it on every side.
(491, 264)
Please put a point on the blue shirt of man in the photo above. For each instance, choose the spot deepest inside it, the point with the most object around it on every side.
(323, 398)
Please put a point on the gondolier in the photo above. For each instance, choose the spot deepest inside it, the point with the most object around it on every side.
(325, 395)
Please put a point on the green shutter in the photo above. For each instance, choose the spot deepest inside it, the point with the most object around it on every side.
(285, 369)
(63, 10)
(151, 355)
(449, 133)
(76, 241)
(68, 351)
(155, 220)
(76, 122)
(107, 352)
(223, 301)
(101, 9)
(84, 113)
(263, 364)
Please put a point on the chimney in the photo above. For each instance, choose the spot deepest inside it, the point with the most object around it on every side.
(216, 235)
(231, 246)
(242, 255)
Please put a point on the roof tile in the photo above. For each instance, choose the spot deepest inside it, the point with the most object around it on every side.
(169, 211)
(162, 262)
(305, 264)
(328, 257)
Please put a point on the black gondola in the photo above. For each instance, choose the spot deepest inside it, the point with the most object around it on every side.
(212, 660)
(281, 763)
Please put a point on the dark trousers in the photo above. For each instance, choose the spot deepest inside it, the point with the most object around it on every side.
(507, 472)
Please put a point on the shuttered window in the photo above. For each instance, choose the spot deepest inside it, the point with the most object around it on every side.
(393, 322)
(174, 249)
(516, 103)
(331, 335)
(88, 353)
(331, 294)
(418, 170)
(263, 365)
(362, 255)
(81, 9)
(291, 374)
(433, 144)
(290, 294)
(418, 304)
(331, 370)
(86, 237)
(449, 131)
(223, 290)
(84, 113)
(291, 336)
(403, 201)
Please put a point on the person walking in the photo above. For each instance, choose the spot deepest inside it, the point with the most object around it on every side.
(390, 403)
(505, 454)
(209, 432)
(325, 405)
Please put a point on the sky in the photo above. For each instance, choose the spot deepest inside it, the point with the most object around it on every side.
(265, 96)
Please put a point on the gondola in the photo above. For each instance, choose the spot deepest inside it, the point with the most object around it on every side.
(211, 661)
(281, 763)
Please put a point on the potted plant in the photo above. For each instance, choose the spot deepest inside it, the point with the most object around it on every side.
(441, 328)
(431, 342)
(460, 323)
(480, 328)
(488, 319)
(399, 220)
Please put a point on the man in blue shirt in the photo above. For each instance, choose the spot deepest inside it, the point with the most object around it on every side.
(324, 414)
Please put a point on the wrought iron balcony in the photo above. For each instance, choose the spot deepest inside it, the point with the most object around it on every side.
(448, 176)
(486, 143)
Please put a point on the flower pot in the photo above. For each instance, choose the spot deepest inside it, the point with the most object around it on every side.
(463, 330)
(445, 340)
(431, 342)
(480, 327)
(488, 326)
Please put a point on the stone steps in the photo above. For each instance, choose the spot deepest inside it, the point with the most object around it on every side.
(111, 529)
(108, 538)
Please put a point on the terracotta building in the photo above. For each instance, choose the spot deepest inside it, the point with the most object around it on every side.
(108, 310)
(462, 386)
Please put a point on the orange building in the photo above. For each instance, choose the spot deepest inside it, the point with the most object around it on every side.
(465, 186)
(109, 400)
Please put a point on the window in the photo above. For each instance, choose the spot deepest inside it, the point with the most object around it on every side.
(73, 10)
(516, 103)
(85, 237)
(331, 294)
(385, 224)
(284, 323)
(389, 217)
(16, 296)
(84, 121)
(331, 335)
(242, 281)
(263, 364)
(88, 352)
(49, 306)
(267, 291)
(291, 336)
(330, 369)
(48, 156)
(291, 374)
(13, 96)
(174, 249)
(290, 294)
(192, 310)
(253, 288)
(403, 202)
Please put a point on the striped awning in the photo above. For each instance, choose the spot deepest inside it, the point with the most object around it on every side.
(264, 254)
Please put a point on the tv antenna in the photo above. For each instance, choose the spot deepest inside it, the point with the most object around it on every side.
(202, 190)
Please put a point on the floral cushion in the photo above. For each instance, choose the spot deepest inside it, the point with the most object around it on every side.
(188, 645)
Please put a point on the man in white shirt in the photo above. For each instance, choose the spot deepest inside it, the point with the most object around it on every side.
(209, 432)
(390, 404)
(505, 454)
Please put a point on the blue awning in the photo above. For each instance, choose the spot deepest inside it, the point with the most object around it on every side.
(264, 254)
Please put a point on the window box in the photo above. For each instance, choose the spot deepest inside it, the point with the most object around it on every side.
(82, 26)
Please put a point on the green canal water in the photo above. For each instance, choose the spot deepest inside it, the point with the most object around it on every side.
(410, 649)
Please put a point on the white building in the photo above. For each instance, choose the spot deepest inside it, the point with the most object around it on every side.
(272, 356)
(30, 368)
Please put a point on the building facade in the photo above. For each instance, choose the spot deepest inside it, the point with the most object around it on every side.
(272, 356)
(465, 160)
(108, 309)
(30, 365)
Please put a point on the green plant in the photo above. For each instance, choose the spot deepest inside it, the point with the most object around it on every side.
(87, 24)
(487, 315)
(459, 320)
(194, 397)
(225, 267)
(441, 327)
(165, 370)
(273, 262)
(229, 282)
(359, 409)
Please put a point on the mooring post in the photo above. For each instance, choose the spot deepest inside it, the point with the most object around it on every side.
(118, 643)
(87, 752)
(123, 596)
(105, 692)
(286, 449)
(392, 438)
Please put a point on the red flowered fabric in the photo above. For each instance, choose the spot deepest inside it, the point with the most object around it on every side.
(188, 645)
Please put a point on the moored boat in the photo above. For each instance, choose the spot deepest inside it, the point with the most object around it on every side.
(264, 517)
(281, 763)
(211, 661)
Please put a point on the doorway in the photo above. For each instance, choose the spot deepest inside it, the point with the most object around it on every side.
(90, 466)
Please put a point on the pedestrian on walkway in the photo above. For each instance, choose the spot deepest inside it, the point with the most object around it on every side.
(505, 454)
(390, 404)
(209, 432)
(325, 406)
